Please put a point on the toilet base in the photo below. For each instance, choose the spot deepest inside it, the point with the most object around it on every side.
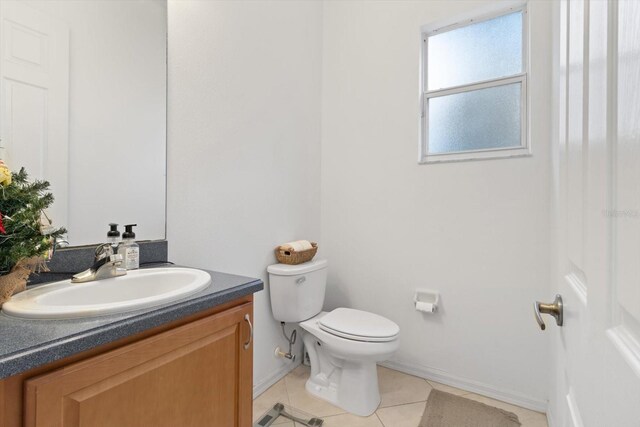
(350, 385)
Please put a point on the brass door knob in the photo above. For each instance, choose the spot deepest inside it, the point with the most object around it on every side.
(554, 309)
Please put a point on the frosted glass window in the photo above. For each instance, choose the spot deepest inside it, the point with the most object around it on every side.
(482, 51)
(474, 89)
(478, 120)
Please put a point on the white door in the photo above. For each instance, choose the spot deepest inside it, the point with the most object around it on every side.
(34, 98)
(597, 350)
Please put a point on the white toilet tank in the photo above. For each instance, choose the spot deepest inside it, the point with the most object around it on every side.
(297, 291)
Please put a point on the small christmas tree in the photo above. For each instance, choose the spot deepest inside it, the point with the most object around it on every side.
(23, 245)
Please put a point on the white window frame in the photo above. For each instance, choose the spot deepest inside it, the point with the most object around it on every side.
(490, 153)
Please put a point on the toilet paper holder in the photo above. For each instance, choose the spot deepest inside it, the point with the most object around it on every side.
(426, 300)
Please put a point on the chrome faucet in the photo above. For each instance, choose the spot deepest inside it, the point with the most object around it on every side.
(106, 265)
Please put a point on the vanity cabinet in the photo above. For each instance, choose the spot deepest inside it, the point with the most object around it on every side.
(195, 374)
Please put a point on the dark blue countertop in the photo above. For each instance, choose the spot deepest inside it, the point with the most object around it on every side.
(26, 344)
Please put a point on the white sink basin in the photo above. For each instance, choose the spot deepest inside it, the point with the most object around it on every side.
(137, 289)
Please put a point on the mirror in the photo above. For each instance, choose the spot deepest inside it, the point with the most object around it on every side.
(83, 105)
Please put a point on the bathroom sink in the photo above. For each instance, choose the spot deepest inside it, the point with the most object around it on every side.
(136, 290)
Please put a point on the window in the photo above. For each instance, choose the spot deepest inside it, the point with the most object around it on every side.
(474, 89)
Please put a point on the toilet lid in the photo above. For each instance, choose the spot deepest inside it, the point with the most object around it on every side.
(359, 325)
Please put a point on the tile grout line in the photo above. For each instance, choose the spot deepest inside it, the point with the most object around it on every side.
(462, 393)
(286, 389)
(400, 404)
(291, 404)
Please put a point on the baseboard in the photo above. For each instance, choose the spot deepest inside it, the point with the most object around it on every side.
(262, 385)
(469, 385)
(551, 418)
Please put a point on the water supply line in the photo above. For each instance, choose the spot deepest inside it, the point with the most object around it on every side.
(291, 339)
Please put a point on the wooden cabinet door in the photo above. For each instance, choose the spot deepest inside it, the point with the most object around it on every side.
(199, 374)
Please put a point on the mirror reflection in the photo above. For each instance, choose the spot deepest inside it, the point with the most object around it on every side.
(83, 105)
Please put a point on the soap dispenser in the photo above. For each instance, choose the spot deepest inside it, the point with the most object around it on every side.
(129, 249)
(113, 236)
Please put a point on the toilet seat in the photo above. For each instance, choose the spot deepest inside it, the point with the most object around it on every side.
(359, 325)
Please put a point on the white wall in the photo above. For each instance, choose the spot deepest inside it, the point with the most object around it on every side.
(478, 232)
(117, 115)
(249, 82)
(244, 141)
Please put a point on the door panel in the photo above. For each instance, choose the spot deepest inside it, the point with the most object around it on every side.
(192, 376)
(141, 393)
(34, 94)
(596, 351)
(627, 188)
(575, 149)
(27, 105)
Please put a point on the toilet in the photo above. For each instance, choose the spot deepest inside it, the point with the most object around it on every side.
(344, 345)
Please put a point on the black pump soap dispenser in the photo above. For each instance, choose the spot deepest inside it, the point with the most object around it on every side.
(129, 249)
(113, 235)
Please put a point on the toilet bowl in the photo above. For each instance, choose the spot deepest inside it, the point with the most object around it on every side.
(343, 345)
(343, 369)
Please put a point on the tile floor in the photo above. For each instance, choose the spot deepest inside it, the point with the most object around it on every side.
(403, 400)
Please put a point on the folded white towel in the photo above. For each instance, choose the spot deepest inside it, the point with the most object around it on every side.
(297, 246)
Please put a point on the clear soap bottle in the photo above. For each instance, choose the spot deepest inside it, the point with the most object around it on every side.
(129, 249)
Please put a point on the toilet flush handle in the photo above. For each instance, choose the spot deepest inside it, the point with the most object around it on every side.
(301, 280)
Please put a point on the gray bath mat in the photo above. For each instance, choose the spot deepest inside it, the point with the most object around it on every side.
(448, 410)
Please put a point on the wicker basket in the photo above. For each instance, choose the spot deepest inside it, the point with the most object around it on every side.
(293, 258)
